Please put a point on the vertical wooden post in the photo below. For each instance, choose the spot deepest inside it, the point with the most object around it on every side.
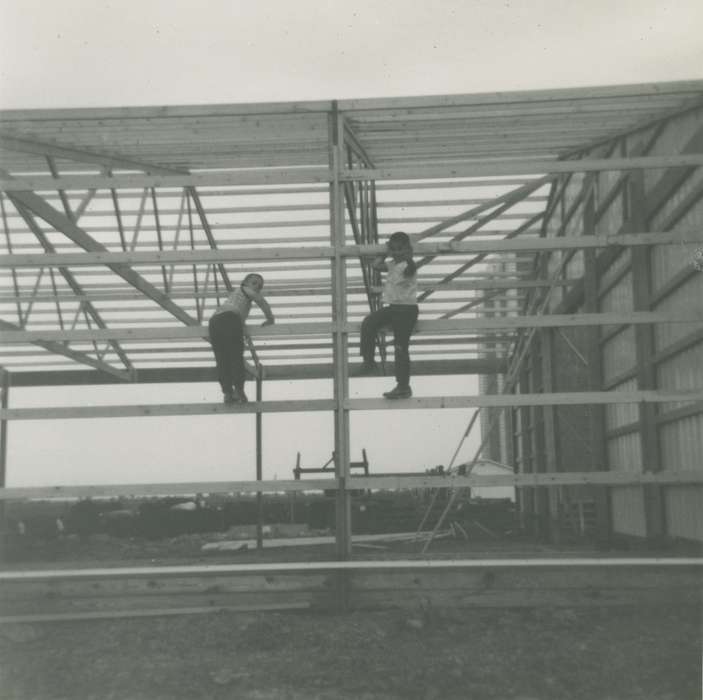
(340, 341)
(655, 519)
(4, 400)
(259, 464)
(549, 427)
(599, 452)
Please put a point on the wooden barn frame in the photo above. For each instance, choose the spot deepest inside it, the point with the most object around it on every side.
(559, 236)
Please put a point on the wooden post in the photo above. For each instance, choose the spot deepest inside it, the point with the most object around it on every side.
(599, 452)
(4, 400)
(259, 464)
(549, 431)
(655, 519)
(339, 341)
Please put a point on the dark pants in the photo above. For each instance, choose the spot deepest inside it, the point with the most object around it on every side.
(227, 338)
(401, 318)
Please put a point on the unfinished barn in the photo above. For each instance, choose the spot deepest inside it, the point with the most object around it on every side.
(559, 242)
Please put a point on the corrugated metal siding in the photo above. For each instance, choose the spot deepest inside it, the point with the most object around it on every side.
(681, 441)
(625, 453)
(682, 372)
(628, 511)
(684, 511)
(681, 444)
(619, 297)
(688, 297)
(617, 354)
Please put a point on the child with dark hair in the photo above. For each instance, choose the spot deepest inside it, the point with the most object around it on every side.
(226, 328)
(399, 312)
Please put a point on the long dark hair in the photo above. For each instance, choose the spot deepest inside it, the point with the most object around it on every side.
(400, 238)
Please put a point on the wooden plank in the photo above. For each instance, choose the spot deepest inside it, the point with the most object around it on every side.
(75, 355)
(387, 482)
(340, 377)
(176, 609)
(272, 372)
(253, 176)
(594, 356)
(419, 565)
(654, 502)
(293, 406)
(523, 97)
(546, 597)
(311, 329)
(527, 480)
(584, 398)
(207, 255)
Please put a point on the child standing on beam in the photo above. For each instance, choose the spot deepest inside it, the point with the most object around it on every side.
(399, 312)
(226, 328)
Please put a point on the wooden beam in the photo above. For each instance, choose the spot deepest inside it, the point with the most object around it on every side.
(594, 357)
(75, 355)
(312, 329)
(5, 382)
(455, 247)
(340, 378)
(253, 176)
(311, 405)
(173, 489)
(386, 482)
(73, 283)
(654, 503)
(62, 223)
(272, 373)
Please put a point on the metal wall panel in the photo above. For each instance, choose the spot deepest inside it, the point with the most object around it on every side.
(625, 454)
(618, 356)
(627, 510)
(684, 512)
(681, 444)
(688, 296)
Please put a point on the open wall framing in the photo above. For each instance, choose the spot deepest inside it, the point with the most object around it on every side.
(557, 233)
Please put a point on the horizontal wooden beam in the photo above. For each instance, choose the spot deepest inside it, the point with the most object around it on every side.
(172, 489)
(124, 592)
(311, 405)
(207, 255)
(204, 570)
(312, 329)
(255, 176)
(385, 482)
(182, 375)
(543, 479)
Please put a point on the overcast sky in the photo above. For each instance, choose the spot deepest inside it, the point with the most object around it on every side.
(80, 53)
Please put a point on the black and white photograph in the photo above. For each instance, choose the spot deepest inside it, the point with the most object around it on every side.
(351, 350)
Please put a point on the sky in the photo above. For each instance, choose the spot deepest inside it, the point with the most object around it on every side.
(87, 53)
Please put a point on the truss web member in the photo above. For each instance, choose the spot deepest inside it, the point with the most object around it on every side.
(400, 313)
(226, 328)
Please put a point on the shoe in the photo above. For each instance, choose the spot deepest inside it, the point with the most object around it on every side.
(367, 369)
(400, 392)
(240, 396)
(229, 398)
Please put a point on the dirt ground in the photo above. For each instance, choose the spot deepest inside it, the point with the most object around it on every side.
(545, 654)
(613, 653)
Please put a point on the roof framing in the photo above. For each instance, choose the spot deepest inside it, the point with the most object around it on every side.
(89, 193)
